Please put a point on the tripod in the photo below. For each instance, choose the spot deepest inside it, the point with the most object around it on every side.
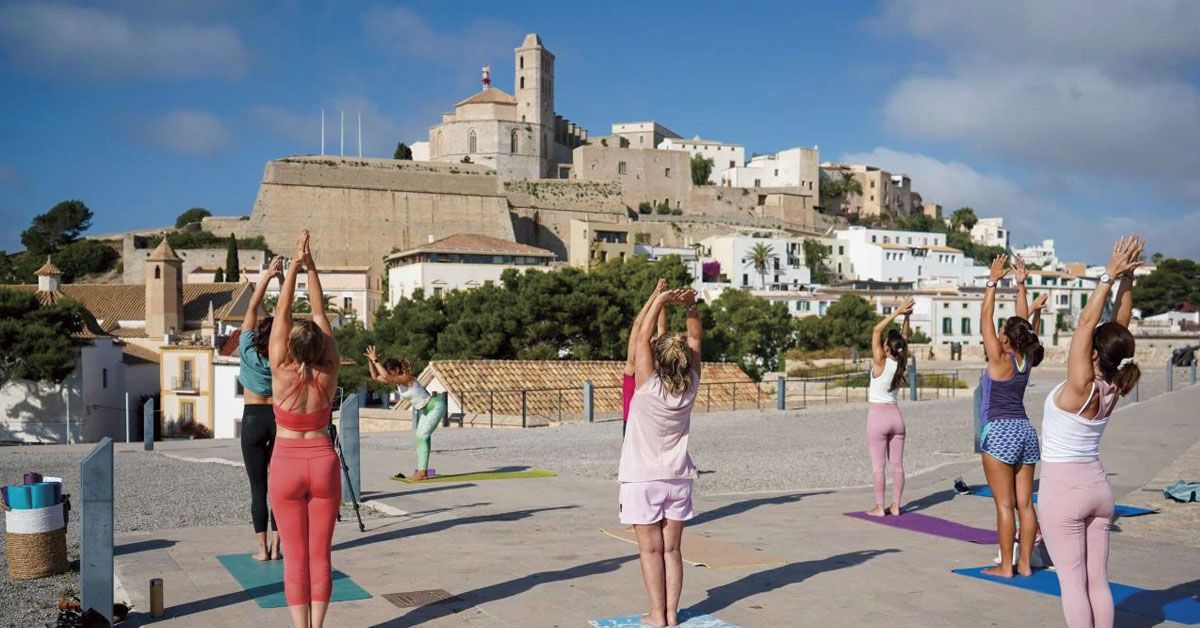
(337, 445)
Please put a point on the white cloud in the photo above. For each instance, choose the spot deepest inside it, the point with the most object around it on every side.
(77, 43)
(1031, 215)
(406, 34)
(380, 132)
(182, 131)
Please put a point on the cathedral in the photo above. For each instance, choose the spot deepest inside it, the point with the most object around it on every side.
(519, 136)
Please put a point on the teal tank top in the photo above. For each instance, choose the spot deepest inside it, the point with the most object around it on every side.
(255, 371)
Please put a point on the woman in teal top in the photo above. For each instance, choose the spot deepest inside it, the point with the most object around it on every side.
(258, 417)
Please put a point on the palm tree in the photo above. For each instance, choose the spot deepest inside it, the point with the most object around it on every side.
(850, 185)
(963, 218)
(760, 257)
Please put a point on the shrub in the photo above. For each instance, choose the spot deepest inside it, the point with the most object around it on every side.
(677, 212)
(663, 210)
(644, 208)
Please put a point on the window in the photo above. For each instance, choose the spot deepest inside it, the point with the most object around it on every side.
(745, 279)
(966, 325)
(667, 172)
(521, 62)
(758, 183)
(157, 272)
(347, 304)
(872, 185)
(512, 142)
(471, 144)
(104, 378)
(873, 238)
(186, 368)
(1041, 326)
(841, 250)
(1064, 299)
(731, 163)
(777, 172)
(437, 292)
(1083, 300)
(947, 325)
(641, 139)
(887, 309)
(187, 411)
(522, 82)
(621, 168)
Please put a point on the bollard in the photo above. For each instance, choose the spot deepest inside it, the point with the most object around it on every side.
(156, 597)
(524, 410)
(349, 438)
(1170, 375)
(912, 381)
(148, 424)
(96, 537)
(589, 401)
(127, 419)
(781, 393)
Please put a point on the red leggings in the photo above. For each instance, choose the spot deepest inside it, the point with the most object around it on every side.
(305, 488)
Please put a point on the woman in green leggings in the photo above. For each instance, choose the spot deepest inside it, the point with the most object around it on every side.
(431, 408)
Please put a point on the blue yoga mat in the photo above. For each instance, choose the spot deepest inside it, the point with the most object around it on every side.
(687, 619)
(1161, 605)
(263, 581)
(1120, 511)
(19, 497)
(41, 494)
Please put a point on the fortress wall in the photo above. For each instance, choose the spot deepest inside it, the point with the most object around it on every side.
(383, 174)
(239, 226)
(591, 196)
(550, 229)
(133, 260)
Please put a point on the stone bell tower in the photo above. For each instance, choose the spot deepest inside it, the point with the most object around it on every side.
(534, 87)
(164, 291)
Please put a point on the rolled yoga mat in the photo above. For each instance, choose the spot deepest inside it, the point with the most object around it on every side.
(19, 498)
(1121, 510)
(925, 524)
(263, 581)
(41, 495)
(1169, 605)
(32, 478)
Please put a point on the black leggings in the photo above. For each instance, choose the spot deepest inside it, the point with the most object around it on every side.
(258, 439)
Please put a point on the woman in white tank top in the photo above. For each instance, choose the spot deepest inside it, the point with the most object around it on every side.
(1075, 506)
(885, 426)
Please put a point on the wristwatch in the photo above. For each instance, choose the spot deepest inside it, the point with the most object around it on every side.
(990, 283)
(1106, 278)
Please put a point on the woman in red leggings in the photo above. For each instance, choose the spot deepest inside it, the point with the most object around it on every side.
(304, 486)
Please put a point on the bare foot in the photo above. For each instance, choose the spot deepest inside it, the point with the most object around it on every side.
(419, 475)
(894, 510)
(261, 555)
(658, 621)
(877, 511)
(1000, 571)
(672, 618)
(1024, 570)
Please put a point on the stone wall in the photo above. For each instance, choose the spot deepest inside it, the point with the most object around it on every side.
(575, 196)
(239, 226)
(133, 259)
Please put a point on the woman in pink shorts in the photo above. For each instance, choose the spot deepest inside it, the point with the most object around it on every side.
(656, 472)
(627, 381)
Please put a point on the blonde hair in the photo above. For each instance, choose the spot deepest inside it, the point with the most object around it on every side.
(672, 363)
(306, 345)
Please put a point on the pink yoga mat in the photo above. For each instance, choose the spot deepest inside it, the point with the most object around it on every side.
(917, 522)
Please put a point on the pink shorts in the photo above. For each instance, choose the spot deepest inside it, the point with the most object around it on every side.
(644, 503)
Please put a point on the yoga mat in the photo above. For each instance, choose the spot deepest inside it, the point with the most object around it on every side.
(1121, 510)
(705, 551)
(482, 475)
(263, 581)
(41, 494)
(917, 522)
(1163, 605)
(19, 498)
(687, 619)
(32, 478)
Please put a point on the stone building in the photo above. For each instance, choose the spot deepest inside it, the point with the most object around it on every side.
(520, 137)
(645, 174)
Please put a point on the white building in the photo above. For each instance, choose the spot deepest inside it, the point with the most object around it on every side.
(724, 156)
(887, 255)
(420, 151)
(1041, 254)
(796, 168)
(1068, 295)
(785, 266)
(990, 232)
(463, 261)
(352, 292)
(647, 134)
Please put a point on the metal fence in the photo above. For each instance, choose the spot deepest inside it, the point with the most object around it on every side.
(803, 392)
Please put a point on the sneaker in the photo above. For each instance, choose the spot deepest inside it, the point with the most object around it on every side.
(961, 487)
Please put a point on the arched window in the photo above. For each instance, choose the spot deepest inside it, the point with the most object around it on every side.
(471, 145)
(521, 61)
(157, 272)
(522, 82)
(512, 146)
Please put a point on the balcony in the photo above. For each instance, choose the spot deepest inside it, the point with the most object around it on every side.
(185, 385)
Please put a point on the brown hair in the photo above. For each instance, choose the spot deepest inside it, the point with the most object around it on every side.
(400, 367)
(306, 345)
(897, 348)
(1114, 344)
(262, 336)
(673, 363)
(1024, 340)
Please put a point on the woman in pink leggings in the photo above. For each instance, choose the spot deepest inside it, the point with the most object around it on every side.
(885, 426)
(1076, 502)
(304, 486)
(627, 381)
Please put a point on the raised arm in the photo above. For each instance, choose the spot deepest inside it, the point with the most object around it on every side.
(1019, 276)
(283, 307)
(631, 349)
(695, 328)
(275, 268)
(987, 325)
(373, 367)
(1125, 288)
(906, 328)
(644, 357)
(1080, 372)
(1035, 316)
(878, 354)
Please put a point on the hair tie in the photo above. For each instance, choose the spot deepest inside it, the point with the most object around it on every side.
(1126, 362)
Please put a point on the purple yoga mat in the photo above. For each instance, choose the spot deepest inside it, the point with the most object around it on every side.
(926, 524)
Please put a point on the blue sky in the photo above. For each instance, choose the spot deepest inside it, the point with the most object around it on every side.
(1071, 129)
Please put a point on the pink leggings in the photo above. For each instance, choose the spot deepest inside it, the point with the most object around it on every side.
(1075, 508)
(306, 491)
(885, 441)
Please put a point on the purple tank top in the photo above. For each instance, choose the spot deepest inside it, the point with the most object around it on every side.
(1005, 399)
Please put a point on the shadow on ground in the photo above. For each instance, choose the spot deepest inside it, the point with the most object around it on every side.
(749, 504)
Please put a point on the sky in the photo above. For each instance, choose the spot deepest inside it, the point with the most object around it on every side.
(1075, 120)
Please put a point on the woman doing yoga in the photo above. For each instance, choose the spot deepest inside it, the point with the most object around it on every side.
(305, 485)
(885, 426)
(1076, 504)
(1009, 442)
(431, 408)
(258, 417)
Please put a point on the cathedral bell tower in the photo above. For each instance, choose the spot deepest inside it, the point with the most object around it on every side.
(535, 95)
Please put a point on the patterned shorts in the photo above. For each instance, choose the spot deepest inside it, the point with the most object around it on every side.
(1011, 441)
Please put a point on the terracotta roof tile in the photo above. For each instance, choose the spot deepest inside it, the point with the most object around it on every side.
(488, 96)
(133, 353)
(474, 243)
(48, 268)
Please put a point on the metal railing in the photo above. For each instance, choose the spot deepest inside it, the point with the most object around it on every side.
(185, 383)
(924, 385)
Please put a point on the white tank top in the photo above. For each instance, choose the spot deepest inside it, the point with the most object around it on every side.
(415, 394)
(1070, 437)
(879, 390)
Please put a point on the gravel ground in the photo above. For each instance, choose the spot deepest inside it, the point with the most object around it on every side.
(153, 492)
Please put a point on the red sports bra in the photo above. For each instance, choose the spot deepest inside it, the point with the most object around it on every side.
(303, 421)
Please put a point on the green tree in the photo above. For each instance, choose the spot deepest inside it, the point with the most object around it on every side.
(84, 257)
(7, 269)
(918, 338)
(402, 152)
(1157, 258)
(747, 330)
(849, 185)
(35, 339)
(849, 321)
(233, 272)
(963, 218)
(195, 214)
(761, 258)
(810, 333)
(60, 226)
(702, 168)
(815, 255)
(1173, 284)
(219, 276)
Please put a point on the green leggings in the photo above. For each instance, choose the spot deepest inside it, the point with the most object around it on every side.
(430, 418)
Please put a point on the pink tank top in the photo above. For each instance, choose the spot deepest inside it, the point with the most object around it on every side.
(656, 439)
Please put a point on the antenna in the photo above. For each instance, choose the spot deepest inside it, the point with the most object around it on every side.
(342, 135)
(360, 134)
(322, 131)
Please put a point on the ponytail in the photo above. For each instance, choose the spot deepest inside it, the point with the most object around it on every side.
(1115, 348)
(897, 348)
(1024, 340)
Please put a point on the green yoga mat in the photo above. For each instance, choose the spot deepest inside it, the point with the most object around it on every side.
(263, 581)
(482, 475)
